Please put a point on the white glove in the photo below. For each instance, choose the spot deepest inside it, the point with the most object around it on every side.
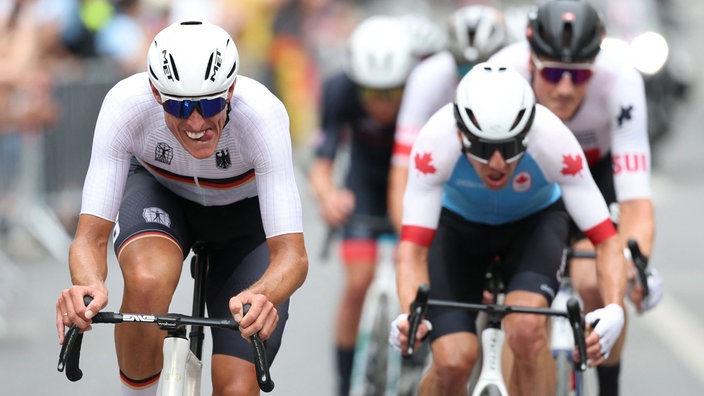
(394, 331)
(610, 324)
(655, 291)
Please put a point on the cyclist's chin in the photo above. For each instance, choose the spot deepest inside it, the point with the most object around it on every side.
(201, 148)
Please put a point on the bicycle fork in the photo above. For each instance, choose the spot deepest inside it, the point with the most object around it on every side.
(490, 380)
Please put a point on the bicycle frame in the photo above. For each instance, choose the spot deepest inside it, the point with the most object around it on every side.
(491, 381)
(181, 372)
(377, 367)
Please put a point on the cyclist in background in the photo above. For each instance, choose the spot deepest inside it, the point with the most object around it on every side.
(601, 99)
(362, 100)
(492, 175)
(475, 33)
(189, 151)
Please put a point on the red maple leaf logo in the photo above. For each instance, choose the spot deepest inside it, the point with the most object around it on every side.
(573, 164)
(423, 163)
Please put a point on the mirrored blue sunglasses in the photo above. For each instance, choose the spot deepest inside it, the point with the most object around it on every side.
(183, 107)
(579, 73)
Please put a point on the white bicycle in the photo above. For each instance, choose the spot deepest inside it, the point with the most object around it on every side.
(181, 372)
(490, 381)
(378, 369)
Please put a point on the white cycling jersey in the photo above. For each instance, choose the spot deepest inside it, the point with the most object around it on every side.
(552, 166)
(612, 119)
(430, 86)
(253, 157)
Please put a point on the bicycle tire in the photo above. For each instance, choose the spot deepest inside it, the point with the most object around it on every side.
(491, 390)
(378, 351)
(563, 371)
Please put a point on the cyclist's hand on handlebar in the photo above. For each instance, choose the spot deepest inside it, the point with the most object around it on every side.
(655, 291)
(261, 318)
(398, 332)
(71, 309)
(606, 324)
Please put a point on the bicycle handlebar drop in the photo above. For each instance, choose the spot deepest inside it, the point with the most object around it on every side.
(418, 308)
(69, 356)
(573, 313)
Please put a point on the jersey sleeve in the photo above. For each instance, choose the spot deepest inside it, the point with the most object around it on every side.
(562, 161)
(629, 137)
(271, 154)
(430, 86)
(433, 157)
(336, 91)
(111, 151)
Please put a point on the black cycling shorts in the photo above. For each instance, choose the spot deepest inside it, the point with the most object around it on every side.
(531, 252)
(234, 238)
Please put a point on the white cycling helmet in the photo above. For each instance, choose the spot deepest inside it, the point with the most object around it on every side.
(380, 53)
(494, 109)
(426, 35)
(192, 59)
(476, 32)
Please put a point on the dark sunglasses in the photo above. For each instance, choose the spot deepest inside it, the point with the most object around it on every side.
(390, 94)
(183, 107)
(481, 151)
(580, 73)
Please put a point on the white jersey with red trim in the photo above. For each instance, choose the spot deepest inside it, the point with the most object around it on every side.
(253, 156)
(430, 86)
(612, 118)
(552, 166)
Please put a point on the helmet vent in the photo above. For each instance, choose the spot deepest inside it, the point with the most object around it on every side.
(207, 68)
(173, 67)
(473, 119)
(519, 117)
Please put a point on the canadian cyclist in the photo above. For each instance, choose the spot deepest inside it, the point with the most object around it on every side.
(494, 173)
(475, 32)
(359, 107)
(601, 98)
(189, 151)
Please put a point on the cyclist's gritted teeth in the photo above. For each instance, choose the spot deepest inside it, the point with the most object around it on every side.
(203, 135)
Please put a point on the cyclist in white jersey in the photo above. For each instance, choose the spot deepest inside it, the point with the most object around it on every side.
(492, 174)
(475, 33)
(189, 152)
(601, 98)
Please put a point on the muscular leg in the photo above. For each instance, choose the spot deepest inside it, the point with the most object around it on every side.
(454, 355)
(224, 368)
(151, 268)
(359, 273)
(527, 335)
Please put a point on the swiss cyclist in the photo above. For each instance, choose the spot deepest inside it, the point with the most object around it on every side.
(359, 107)
(495, 174)
(475, 32)
(189, 151)
(601, 99)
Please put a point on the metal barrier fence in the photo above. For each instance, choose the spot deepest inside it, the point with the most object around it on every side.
(52, 164)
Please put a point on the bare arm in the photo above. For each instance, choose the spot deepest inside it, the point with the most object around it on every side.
(611, 270)
(335, 204)
(89, 269)
(411, 271)
(637, 221)
(288, 268)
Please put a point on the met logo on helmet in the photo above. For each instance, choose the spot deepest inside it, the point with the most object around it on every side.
(216, 62)
(166, 67)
